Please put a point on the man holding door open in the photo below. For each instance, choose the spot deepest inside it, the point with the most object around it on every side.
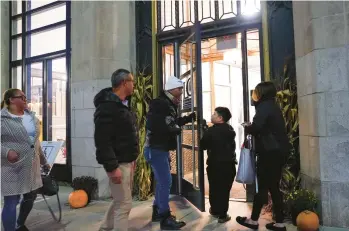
(163, 126)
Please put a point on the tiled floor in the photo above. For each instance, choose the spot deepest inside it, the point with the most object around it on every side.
(89, 218)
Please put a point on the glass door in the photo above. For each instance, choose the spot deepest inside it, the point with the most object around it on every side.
(251, 41)
(190, 165)
(46, 89)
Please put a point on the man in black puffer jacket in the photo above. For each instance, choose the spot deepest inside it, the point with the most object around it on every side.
(163, 126)
(116, 141)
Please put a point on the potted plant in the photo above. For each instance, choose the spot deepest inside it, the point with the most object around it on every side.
(300, 200)
(87, 184)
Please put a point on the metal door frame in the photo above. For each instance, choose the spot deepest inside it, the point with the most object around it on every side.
(178, 187)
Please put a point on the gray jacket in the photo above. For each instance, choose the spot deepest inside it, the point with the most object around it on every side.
(23, 176)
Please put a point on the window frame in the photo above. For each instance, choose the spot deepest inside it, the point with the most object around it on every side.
(26, 60)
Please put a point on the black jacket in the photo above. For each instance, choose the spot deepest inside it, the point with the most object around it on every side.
(163, 124)
(269, 119)
(219, 141)
(116, 137)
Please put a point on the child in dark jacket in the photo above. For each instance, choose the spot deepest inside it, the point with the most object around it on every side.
(219, 141)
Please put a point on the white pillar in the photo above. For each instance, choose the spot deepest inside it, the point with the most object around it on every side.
(103, 40)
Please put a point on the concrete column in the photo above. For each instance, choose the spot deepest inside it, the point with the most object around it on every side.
(321, 32)
(5, 45)
(103, 40)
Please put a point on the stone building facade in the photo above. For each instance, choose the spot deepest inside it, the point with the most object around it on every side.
(322, 59)
(103, 39)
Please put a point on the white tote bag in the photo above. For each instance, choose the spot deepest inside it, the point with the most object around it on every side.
(247, 165)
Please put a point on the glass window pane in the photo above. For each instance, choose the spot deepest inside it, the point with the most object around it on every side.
(17, 77)
(221, 74)
(35, 88)
(227, 9)
(16, 26)
(253, 60)
(16, 49)
(46, 17)
(168, 20)
(57, 104)
(16, 7)
(206, 100)
(222, 96)
(206, 76)
(250, 7)
(186, 13)
(167, 62)
(35, 4)
(47, 41)
(206, 10)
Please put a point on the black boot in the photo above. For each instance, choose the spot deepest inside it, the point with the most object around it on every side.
(213, 214)
(169, 222)
(223, 219)
(155, 216)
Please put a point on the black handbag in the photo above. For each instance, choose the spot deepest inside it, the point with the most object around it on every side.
(49, 186)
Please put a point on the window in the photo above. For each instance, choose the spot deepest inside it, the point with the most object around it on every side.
(16, 26)
(35, 88)
(35, 4)
(167, 62)
(39, 62)
(16, 49)
(47, 42)
(207, 11)
(16, 7)
(17, 77)
(47, 17)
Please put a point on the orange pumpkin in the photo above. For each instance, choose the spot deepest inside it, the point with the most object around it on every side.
(308, 221)
(78, 199)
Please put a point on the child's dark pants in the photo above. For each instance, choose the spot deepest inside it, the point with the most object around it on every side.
(221, 176)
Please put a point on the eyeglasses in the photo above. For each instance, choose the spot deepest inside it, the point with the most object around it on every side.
(22, 97)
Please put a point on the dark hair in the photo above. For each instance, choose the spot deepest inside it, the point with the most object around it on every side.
(8, 94)
(265, 90)
(118, 76)
(224, 112)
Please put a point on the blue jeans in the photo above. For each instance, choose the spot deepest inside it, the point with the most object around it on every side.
(159, 162)
(8, 215)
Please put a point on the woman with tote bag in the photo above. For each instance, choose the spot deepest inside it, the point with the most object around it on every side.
(272, 147)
